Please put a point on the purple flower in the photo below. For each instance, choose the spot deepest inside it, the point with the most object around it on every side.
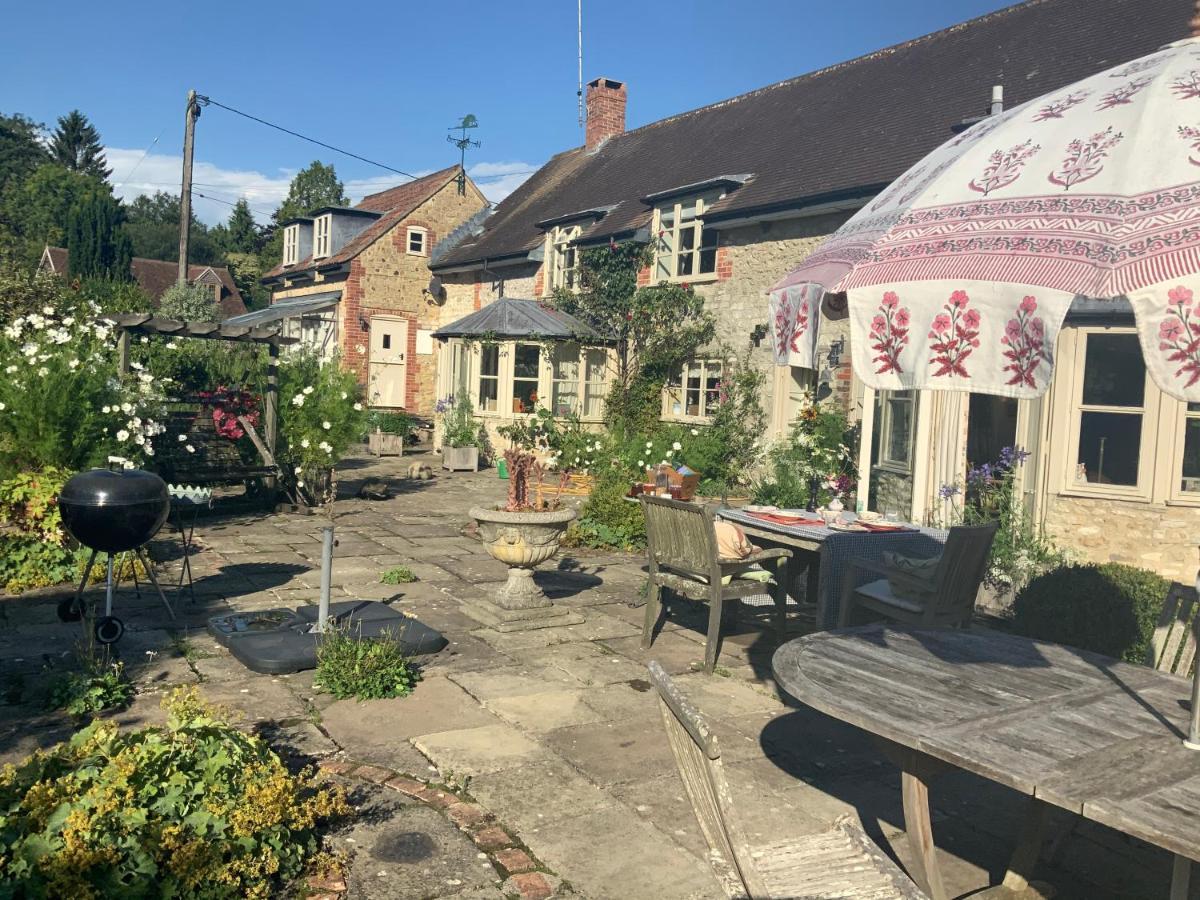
(948, 491)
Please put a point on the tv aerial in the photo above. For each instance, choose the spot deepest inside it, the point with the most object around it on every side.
(463, 142)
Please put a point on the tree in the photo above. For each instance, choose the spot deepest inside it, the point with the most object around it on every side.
(241, 233)
(152, 223)
(98, 245)
(21, 150)
(247, 269)
(76, 145)
(38, 209)
(189, 302)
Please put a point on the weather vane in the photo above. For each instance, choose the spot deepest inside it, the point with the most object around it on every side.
(463, 142)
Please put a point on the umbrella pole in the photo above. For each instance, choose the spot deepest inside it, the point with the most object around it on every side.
(1192, 741)
(326, 577)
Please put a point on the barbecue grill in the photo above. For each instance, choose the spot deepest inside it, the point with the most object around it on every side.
(112, 511)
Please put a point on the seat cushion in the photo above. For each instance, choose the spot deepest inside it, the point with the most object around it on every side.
(920, 569)
(882, 591)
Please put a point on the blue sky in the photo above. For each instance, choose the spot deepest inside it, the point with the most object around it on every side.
(385, 80)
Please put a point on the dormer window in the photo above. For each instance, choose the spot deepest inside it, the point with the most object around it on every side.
(417, 241)
(322, 229)
(684, 249)
(563, 258)
(291, 245)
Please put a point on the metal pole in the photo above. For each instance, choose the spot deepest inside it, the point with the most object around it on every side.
(326, 576)
(1192, 742)
(185, 193)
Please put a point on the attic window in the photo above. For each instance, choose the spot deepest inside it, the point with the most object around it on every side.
(416, 241)
(684, 250)
(322, 227)
(291, 245)
(563, 258)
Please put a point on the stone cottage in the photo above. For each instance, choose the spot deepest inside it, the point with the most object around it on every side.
(734, 194)
(356, 281)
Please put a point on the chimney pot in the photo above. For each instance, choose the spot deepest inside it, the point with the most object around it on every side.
(605, 111)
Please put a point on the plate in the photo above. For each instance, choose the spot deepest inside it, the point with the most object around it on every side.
(760, 509)
(841, 526)
(798, 513)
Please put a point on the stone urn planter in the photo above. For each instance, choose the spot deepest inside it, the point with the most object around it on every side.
(522, 540)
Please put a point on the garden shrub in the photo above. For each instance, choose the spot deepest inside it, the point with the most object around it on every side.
(33, 547)
(818, 451)
(372, 668)
(193, 809)
(606, 518)
(1110, 608)
(98, 686)
(320, 416)
(389, 422)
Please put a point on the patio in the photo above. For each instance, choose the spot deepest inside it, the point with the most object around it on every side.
(552, 738)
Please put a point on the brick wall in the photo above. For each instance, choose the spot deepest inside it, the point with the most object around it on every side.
(605, 111)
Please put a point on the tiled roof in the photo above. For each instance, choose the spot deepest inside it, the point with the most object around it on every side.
(509, 317)
(154, 276)
(395, 203)
(839, 132)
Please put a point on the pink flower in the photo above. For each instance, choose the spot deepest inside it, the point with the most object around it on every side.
(971, 319)
(1013, 329)
(1037, 327)
(1028, 304)
(890, 299)
(1180, 296)
(902, 318)
(1170, 330)
(941, 322)
(959, 299)
(878, 323)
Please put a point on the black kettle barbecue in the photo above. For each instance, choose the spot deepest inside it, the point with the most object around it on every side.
(112, 511)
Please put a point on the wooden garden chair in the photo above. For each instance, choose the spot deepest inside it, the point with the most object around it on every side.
(681, 544)
(950, 592)
(841, 862)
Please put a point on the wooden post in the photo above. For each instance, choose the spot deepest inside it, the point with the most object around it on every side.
(185, 193)
(271, 412)
(123, 352)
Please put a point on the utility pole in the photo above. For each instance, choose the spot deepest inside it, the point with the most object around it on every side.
(185, 193)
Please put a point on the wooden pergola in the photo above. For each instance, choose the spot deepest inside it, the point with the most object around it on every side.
(269, 333)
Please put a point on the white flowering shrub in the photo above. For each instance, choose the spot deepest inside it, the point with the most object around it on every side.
(63, 402)
(320, 415)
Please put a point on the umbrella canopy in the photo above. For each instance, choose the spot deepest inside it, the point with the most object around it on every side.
(960, 274)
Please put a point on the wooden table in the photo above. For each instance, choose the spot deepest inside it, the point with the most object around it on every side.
(1072, 729)
(826, 552)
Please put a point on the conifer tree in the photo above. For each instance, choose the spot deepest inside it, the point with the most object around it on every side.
(98, 246)
(76, 145)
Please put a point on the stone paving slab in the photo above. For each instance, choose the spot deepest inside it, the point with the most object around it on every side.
(476, 751)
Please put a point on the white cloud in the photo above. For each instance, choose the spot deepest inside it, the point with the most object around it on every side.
(216, 189)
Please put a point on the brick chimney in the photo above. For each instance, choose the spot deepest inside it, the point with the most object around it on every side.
(605, 111)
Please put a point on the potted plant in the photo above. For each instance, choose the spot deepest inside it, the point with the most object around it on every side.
(387, 432)
(522, 534)
(460, 434)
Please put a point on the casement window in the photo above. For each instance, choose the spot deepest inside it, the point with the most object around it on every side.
(322, 229)
(893, 431)
(291, 245)
(694, 391)
(562, 258)
(1189, 452)
(684, 249)
(527, 365)
(417, 241)
(1114, 415)
(489, 378)
(579, 381)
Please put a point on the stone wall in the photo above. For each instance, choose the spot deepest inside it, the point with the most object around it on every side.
(1150, 535)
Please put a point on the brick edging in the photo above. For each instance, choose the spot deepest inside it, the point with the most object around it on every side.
(520, 870)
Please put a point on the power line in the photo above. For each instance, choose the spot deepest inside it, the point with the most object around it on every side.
(141, 158)
(227, 203)
(208, 100)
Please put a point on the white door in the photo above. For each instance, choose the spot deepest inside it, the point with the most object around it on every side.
(388, 362)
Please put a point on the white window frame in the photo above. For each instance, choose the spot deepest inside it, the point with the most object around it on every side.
(1178, 422)
(1149, 412)
(562, 258)
(423, 234)
(676, 390)
(323, 236)
(669, 235)
(584, 386)
(883, 425)
(291, 245)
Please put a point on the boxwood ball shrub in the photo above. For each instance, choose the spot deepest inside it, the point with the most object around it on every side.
(1110, 608)
(193, 809)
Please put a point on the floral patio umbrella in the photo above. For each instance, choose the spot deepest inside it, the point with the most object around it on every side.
(960, 274)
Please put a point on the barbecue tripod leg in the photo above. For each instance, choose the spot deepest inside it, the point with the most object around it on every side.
(87, 572)
(141, 554)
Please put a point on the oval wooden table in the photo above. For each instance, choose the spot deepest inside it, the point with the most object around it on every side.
(1068, 728)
